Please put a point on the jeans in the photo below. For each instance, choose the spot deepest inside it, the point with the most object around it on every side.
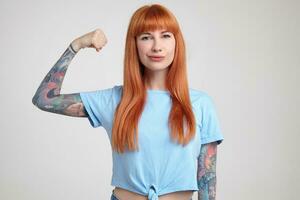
(113, 197)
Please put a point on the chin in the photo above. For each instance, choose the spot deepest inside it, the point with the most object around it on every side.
(156, 68)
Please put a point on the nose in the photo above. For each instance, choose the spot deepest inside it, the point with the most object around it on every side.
(156, 50)
(156, 47)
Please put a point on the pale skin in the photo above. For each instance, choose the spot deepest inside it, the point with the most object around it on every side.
(158, 43)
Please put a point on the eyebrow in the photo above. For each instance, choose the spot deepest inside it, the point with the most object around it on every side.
(147, 33)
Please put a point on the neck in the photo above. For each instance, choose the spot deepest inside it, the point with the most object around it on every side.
(155, 80)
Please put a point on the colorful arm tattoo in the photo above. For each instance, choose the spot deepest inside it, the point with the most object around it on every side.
(48, 97)
(206, 172)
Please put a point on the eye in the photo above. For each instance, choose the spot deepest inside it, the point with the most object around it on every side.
(166, 36)
(144, 37)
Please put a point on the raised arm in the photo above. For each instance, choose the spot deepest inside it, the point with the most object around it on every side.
(48, 97)
(206, 172)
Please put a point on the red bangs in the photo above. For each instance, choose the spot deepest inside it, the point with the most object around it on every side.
(155, 18)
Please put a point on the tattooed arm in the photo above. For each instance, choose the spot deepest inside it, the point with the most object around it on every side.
(206, 172)
(48, 97)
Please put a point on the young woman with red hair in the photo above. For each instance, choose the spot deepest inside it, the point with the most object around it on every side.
(164, 135)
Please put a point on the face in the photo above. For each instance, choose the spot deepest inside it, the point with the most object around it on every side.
(156, 49)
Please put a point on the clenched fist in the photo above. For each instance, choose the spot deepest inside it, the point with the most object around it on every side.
(95, 39)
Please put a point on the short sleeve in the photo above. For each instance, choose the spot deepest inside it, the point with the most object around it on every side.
(96, 103)
(210, 130)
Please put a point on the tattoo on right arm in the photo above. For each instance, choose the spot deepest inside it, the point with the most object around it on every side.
(48, 97)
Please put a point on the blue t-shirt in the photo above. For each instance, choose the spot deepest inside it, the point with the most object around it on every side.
(160, 166)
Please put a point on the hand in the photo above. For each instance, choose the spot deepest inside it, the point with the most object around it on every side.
(95, 39)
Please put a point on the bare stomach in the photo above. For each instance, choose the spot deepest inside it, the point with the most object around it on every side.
(123, 194)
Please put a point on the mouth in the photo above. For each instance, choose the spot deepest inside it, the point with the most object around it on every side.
(156, 58)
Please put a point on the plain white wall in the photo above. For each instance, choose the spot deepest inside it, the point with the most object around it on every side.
(245, 54)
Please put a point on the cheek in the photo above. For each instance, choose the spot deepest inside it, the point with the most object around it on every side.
(172, 51)
(142, 49)
(142, 54)
(171, 46)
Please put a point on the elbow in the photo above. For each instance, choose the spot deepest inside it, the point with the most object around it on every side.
(39, 103)
(35, 101)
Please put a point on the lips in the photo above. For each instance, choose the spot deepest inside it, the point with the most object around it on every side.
(156, 58)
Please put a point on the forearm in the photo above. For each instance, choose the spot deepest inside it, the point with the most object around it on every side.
(207, 187)
(48, 93)
(206, 174)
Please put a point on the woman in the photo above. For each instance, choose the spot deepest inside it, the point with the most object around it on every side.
(159, 128)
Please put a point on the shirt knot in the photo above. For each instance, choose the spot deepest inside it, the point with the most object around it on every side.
(152, 194)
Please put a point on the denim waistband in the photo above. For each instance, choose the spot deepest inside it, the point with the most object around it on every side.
(113, 197)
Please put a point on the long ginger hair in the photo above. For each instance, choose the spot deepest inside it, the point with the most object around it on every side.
(134, 95)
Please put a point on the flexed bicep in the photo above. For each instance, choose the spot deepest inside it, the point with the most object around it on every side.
(74, 108)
